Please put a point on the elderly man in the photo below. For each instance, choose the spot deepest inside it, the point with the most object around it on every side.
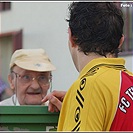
(30, 77)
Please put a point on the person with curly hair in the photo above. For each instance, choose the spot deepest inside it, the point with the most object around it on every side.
(101, 99)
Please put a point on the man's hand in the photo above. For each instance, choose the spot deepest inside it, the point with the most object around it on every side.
(55, 99)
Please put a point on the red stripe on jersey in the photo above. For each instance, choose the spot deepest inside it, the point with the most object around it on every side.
(123, 120)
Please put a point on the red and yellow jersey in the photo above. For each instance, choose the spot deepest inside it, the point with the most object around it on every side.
(101, 99)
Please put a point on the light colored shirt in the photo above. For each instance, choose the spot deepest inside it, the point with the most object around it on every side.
(10, 101)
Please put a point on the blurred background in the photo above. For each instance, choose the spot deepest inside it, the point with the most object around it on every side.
(42, 25)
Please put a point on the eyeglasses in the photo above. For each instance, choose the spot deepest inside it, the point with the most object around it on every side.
(27, 78)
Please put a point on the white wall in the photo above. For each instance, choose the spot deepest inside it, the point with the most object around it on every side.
(128, 62)
(44, 25)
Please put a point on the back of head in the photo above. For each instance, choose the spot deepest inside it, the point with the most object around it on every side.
(96, 26)
(32, 59)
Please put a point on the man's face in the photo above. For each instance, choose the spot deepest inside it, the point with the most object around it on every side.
(29, 86)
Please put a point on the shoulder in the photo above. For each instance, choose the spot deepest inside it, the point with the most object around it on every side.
(7, 102)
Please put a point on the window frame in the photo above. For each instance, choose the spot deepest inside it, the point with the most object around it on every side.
(4, 6)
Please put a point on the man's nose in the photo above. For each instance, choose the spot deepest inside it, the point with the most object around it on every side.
(35, 84)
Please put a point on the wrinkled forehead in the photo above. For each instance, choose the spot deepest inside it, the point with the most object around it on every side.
(20, 70)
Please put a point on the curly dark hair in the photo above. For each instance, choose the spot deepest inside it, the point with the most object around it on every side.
(96, 26)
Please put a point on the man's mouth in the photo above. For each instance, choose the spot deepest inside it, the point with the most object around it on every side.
(33, 93)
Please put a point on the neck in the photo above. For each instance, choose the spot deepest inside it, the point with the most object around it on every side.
(83, 60)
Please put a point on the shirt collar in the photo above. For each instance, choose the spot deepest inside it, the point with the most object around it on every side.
(102, 61)
(15, 100)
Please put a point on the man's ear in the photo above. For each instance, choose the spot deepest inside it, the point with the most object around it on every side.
(121, 41)
(11, 81)
(71, 38)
